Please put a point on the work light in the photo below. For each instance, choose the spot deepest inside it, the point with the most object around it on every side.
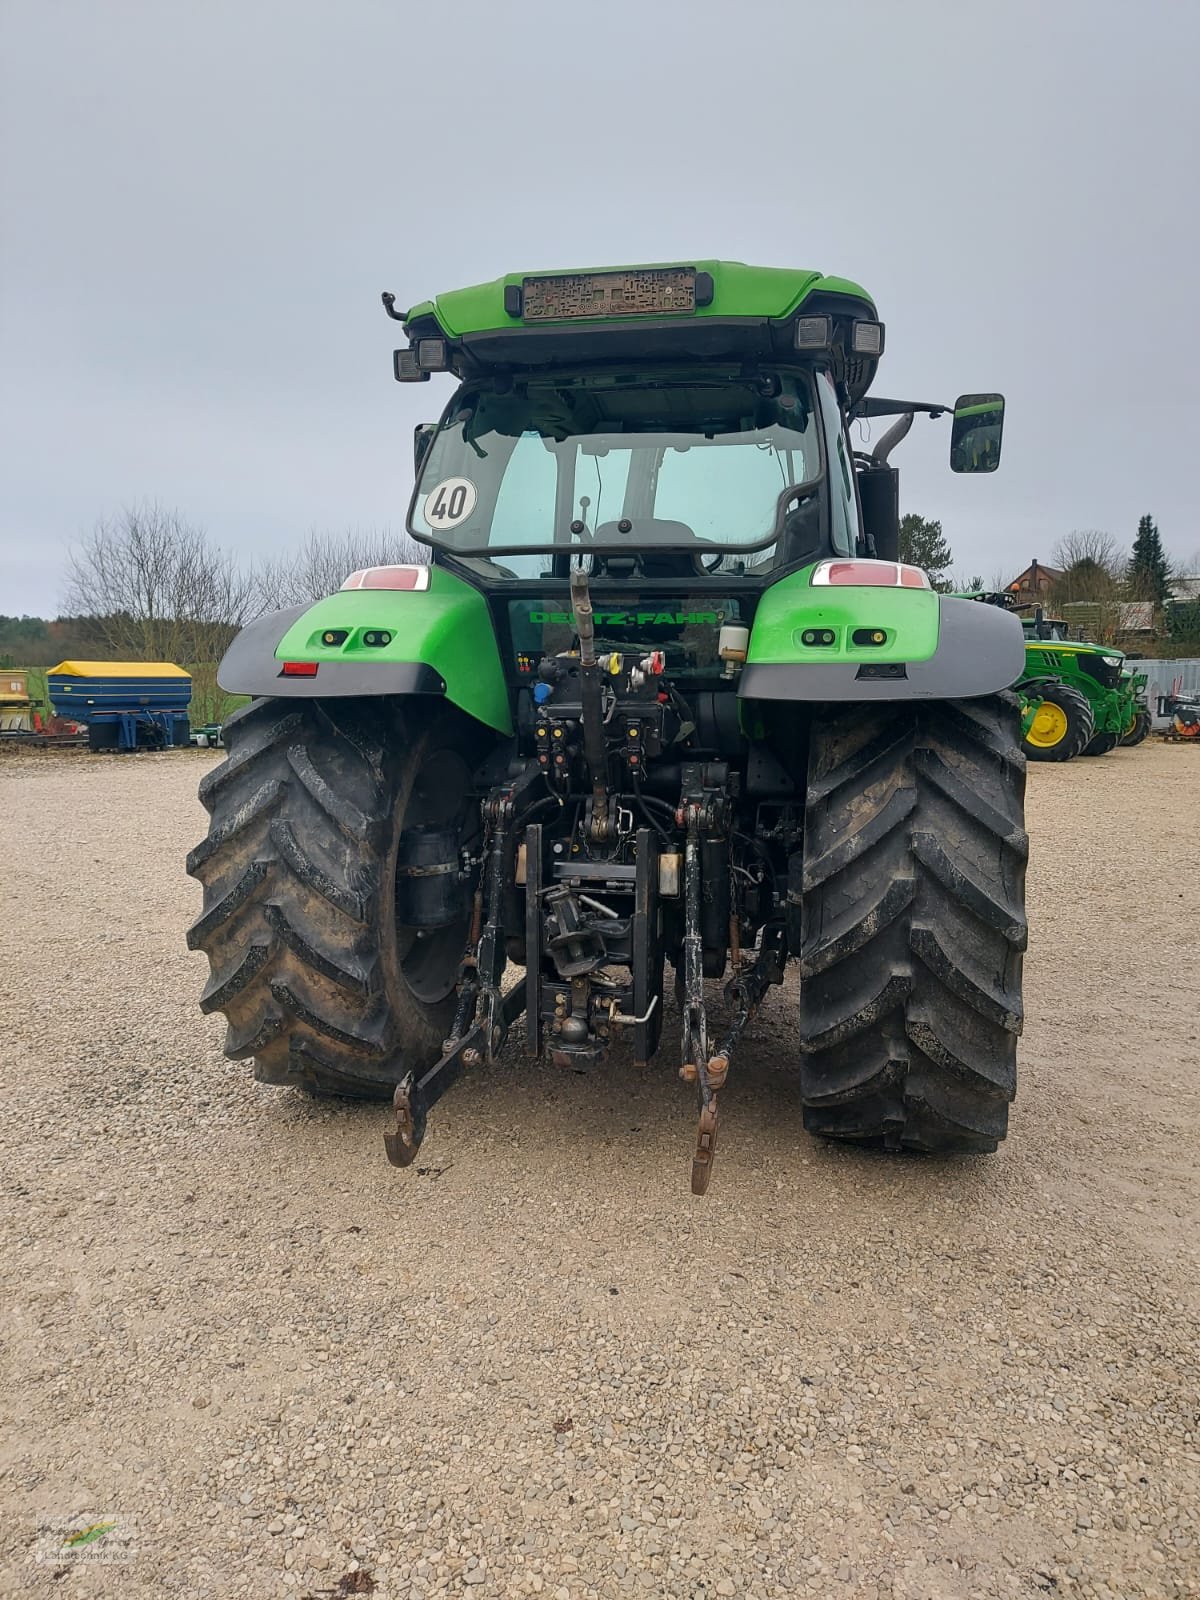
(867, 339)
(407, 368)
(814, 333)
(433, 355)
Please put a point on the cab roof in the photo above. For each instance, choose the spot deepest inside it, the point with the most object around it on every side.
(738, 290)
(732, 312)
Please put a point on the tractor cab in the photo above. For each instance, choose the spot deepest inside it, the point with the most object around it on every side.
(679, 423)
(1036, 624)
(1040, 626)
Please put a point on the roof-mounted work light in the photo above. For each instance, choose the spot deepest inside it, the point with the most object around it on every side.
(867, 339)
(407, 368)
(433, 355)
(814, 333)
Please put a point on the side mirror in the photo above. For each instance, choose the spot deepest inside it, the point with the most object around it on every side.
(423, 435)
(976, 431)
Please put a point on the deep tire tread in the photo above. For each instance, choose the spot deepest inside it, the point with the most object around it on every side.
(911, 949)
(859, 837)
(298, 897)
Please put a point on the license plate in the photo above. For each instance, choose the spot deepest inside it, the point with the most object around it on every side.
(660, 291)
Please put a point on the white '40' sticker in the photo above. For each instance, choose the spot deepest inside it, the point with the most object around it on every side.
(449, 503)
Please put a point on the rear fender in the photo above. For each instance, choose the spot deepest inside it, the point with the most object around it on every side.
(440, 642)
(935, 647)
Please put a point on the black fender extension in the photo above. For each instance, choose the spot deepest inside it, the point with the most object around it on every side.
(980, 650)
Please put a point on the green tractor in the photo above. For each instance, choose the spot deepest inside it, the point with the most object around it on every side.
(663, 697)
(1078, 698)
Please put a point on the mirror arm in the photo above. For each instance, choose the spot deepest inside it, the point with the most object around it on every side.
(871, 407)
(389, 305)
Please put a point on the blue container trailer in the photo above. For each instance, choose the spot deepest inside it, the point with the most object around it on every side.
(125, 705)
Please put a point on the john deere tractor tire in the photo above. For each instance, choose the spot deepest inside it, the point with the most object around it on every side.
(1100, 744)
(913, 924)
(317, 979)
(1063, 725)
(1141, 727)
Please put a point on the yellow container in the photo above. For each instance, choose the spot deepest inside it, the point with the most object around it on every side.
(117, 669)
(16, 718)
(14, 686)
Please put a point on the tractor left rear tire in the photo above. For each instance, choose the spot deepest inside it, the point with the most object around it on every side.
(318, 980)
(1101, 744)
(1141, 727)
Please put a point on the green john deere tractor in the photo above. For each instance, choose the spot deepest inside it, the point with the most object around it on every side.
(664, 695)
(1078, 698)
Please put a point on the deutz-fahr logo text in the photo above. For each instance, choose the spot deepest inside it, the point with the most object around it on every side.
(634, 619)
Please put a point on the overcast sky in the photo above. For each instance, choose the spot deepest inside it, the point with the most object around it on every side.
(201, 202)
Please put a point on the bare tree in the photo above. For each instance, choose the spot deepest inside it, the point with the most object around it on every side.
(324, 561)
(1092, 568)
(1089, 545)
(156, 588)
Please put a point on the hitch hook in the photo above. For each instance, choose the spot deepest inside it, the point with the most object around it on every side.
(409, 1106)
(706, 1147)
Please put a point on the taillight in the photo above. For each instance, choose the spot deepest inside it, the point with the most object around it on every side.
(406, 577)
(299, 669)
(868, 574)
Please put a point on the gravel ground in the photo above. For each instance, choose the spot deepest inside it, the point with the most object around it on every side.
(538, 1365)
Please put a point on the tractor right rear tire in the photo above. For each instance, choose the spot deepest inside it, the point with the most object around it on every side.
(913, 923)
(1062, 727)
(317, 980)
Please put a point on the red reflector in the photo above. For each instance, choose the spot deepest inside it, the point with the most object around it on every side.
(404, 577)
(868, 574)
(862, 572)
(299, 669)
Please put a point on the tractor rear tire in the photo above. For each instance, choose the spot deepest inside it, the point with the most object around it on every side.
(913, 924)
(315, 979)
(1141, 727)
(1067, 729)
(1101, 744)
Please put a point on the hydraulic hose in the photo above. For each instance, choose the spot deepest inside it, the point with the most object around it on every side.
(594, 750)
